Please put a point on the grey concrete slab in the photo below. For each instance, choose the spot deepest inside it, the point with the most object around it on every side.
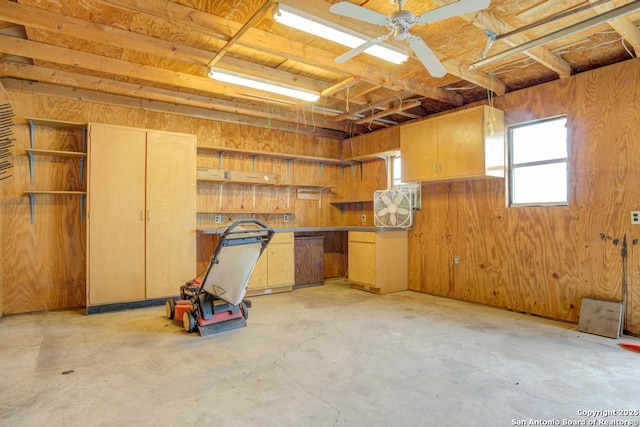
(319, 356)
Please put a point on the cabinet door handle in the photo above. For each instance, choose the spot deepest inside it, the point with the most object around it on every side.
(141, 215)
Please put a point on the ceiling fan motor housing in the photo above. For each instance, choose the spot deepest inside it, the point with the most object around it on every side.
(402, 20)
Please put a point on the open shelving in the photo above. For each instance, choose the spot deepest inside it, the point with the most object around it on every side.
(32, 152)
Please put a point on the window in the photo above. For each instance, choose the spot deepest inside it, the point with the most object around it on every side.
(538, 163)
(396, 171)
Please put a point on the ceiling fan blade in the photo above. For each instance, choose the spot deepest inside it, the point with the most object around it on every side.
(460, 7)
(359, 49)
(351, 10)
(427, 57)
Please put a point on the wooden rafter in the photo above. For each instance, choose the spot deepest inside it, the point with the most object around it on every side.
(485, 19)
(622, 25)
(101, 84)
(397, 109)
(250, 23)
(262, 41)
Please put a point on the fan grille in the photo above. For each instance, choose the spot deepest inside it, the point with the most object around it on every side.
(393, 208)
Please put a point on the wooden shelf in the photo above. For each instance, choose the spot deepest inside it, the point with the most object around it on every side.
(32, 151)
(55, 123)
(374, 156)
(57, 153)
(309, 186)
(234, 181)
(80, 193)
(32, 195)
(344, 202)
(286, 156)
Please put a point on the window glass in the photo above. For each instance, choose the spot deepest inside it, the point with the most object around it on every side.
(538, 162)
(396, 168)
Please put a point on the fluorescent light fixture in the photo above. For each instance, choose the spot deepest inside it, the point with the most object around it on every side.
(332, 32)
(260, 84)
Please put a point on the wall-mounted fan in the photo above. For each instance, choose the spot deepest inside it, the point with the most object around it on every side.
(393, 208)
(400, 22)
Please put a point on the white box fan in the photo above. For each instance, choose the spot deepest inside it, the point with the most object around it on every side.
(393, 208)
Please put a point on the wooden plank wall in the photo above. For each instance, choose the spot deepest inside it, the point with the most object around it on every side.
(4, 99)
(44, 264)
(544, 260)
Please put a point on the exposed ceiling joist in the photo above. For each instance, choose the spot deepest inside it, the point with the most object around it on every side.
(275, 45)
(100, 84)
(484, 19)
(393, 110)
(321, 9)
(623, 26)
(163, 107)
(250, 23)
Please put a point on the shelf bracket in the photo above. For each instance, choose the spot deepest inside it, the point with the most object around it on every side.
(82, 208)
(31, 165)
(32, 132)
(84, 149)
(32, 207)
(32, 202)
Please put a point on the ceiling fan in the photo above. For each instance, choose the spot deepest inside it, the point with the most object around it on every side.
(400, 22)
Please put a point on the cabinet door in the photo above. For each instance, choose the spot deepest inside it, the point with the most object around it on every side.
(170, 212)
(362, 262)
(115, 211)
(309, 260)
(419, 149)
(258, 278)
(281, 267)
(461, 144)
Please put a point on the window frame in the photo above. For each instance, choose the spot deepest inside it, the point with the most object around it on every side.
(512, 167)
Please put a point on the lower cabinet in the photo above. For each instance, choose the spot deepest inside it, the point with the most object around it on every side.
(309, 261)
(378, 261)
(275, 270)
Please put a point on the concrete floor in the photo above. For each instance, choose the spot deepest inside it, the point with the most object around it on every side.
(319, 356)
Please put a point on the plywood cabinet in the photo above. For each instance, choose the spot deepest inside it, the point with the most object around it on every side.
(141, 213)
(462, 145)
(275, 271)
(378, 260)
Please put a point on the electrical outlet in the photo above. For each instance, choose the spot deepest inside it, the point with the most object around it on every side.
(363, 218)
(217, 219)
(456, 260)
(286, 218)
(635, 217)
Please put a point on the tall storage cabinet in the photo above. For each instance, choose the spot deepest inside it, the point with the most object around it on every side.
(140, 213)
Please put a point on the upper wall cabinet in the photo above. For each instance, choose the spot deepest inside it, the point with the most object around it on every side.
(466, 144)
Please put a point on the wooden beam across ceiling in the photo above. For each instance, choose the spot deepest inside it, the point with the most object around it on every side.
(622, 25)
(484, 19)
(61, 25)
(262, 41)
(250, 23)
(320, 9)
(101, 84)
